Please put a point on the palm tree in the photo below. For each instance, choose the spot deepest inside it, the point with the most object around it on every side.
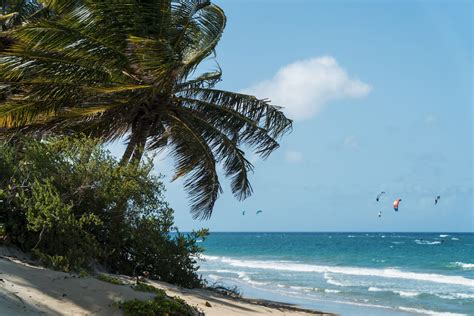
(128, 69)
(15, 12)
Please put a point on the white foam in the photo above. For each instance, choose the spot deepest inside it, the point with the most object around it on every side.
(350, 236)
(225, 271)
(301, 288)
(330, 280)
(454, 238)
(456, 296)
(331, 291)
(240, 274)
(375, 289)
(214, 277)
(427, 312)
(401, 293)
(465, 266)
(383, 273)
(363, 304)
(406, 293)
(426, 242)
(206, 257)
(442, 236)
(250, 281)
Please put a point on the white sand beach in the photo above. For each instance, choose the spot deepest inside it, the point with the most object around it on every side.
(28, 289)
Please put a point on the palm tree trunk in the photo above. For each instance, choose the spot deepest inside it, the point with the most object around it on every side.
(138, 153)
(137, 143)
(132, 143)
(141, 144)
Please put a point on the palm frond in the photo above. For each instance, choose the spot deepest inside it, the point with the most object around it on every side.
(194, 159)
(241, 128)
(236, 166)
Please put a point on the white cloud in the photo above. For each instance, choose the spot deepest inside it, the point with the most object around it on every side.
(304, 87)
(293, 156)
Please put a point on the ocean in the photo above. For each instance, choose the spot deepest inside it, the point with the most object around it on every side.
(348, 273)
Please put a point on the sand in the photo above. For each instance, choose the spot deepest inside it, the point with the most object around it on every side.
(28, 289)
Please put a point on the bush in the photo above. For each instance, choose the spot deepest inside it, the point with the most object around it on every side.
(69, 202)
(109, 279)
(159, 306)
(143, 287)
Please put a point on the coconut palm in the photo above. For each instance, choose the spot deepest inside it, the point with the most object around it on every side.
(129, 69)
(15, 12)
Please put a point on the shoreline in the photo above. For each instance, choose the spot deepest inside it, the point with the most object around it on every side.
(29, 289)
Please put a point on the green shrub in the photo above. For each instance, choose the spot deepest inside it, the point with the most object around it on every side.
(109, 279)
(143, 287)
(83, 273)
(70, 203)
(159, 306)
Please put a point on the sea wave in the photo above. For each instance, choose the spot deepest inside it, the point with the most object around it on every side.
(330, 280)
(243, 276)
(240, 274)
(427, 312)
(311, 289)
(253, 282)
(427, 242)
(462, 265)
(301, 288)
(456, 296)
(406, 293)
(401, 293)
(442, 236)
(214, 277)
(331, 291)
(382, 273)
(454, 238)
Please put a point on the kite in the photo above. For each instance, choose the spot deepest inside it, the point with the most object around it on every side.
(395, 204)
(379, 195)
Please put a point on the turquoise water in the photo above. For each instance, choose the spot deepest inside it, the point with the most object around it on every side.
(349, 273)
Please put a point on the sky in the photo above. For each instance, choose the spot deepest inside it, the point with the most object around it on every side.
(381, 97)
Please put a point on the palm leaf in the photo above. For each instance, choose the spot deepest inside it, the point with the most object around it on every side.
(127, 69)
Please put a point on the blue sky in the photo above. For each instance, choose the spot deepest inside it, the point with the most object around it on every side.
(381, 94)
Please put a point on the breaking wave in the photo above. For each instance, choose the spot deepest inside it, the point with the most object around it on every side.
(382, 273)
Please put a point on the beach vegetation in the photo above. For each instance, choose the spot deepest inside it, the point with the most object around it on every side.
(160, 305)
(109, 279)
(71, 204)
(143, 287)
